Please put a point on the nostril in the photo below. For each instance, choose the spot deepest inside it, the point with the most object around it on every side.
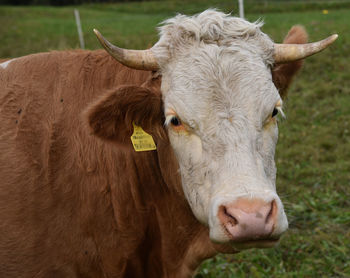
(233, 220)
(272, 213)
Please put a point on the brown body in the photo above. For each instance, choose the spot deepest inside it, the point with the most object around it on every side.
(73, 205)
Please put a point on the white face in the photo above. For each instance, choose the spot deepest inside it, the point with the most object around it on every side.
(220, 108)
(220, 105)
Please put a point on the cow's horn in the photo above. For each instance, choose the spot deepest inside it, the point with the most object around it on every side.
(136, 59)
(284, 53)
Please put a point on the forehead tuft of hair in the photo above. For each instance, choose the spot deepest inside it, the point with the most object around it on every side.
(209, 27)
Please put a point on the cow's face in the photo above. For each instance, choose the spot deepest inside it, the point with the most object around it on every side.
(221, 109)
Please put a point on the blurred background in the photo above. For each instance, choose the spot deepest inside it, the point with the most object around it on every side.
(313, 153)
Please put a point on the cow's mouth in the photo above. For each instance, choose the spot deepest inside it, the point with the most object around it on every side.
(265, 241)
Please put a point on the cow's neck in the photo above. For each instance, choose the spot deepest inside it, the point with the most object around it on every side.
(188, 242)
(155, 226)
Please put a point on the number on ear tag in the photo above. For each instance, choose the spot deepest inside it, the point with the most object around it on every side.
(141, 140)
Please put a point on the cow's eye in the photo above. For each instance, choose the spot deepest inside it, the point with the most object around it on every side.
(274, 112)
(175, 121)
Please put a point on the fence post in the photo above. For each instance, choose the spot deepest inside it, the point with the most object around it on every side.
(80, 32)
(241, 8)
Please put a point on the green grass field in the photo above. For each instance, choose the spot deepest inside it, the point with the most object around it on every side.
(313, 153)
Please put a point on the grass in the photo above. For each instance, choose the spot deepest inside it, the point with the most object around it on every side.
(26, 30)
(313, 153)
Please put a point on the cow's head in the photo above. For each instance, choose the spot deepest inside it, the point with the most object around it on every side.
(222, 94)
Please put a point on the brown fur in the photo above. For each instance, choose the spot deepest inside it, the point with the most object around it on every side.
(73, 205)
(283, 74)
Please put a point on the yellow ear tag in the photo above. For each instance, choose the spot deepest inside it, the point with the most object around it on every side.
(141, 140)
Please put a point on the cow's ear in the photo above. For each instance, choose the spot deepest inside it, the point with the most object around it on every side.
(111, 116)
(283, 74)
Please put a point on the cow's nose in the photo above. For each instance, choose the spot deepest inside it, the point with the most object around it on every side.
(248, 219)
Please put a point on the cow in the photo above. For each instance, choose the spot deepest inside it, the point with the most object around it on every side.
(79, 198)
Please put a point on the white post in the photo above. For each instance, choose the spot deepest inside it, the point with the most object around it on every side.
(241, 8)
(80, 32)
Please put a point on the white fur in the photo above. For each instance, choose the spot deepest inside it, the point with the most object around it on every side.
(216, 77)
(4, 65)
